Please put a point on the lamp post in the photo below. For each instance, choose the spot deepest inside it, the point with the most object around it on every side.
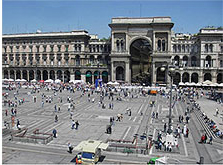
(171, 72)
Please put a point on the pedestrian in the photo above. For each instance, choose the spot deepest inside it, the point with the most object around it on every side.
(77, 124)
(182, 119)
(70, 148)
(6, 112)
(187, 132)
(217, 111)
(205, 138)
(165, 127)
(54, 133)
(157, 115)
(72, 124)
(18, 124)
(15, 111)
(58, 108)
(210, 139)
(153, 115)
(42, 104)
(55, 107)
(187, 118)
(56, 118)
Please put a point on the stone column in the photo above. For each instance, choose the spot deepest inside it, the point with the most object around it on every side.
(83, 77)
(127, 72)
(189, 77)
(169, 42)
(181, 77)
(112, 72)
(113, 44)
(72, 75)
(41, 75)
(28, 75)
(8, 74)
(21, 74)
(48, 71)
(153, 73)
(15, 75)
(63, 75)
(214, 77)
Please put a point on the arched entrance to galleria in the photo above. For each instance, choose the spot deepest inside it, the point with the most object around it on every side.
(139, 47)
(140, 61)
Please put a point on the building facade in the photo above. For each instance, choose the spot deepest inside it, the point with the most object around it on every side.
(137, 49)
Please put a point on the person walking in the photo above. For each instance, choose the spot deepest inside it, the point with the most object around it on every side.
(77, 124)
(6, 112)
(72, 124)
(217, 111)
(210, 139)
(54, 133)
(42, 104)
(56, 118)
(187, 119)
(58, 108)
(70, 148)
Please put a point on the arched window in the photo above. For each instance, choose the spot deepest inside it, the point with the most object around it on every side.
(207, 76)
(120, 74)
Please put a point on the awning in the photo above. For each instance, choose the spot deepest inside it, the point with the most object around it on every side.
(77, 73)
(88, 75)
(105, 74)
(95, 74)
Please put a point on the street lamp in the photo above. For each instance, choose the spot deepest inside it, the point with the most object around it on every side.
(171, 72)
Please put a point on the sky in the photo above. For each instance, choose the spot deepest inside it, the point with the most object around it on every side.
(28, 16)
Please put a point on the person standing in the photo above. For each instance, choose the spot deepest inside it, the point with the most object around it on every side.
(6, 112)
(72, 124)
(210, 139)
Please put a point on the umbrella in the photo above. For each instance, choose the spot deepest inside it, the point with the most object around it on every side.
(41, 81)
(58, 81)
(181, 84)
(10, 79)
(198, 84)
(220, 85)
(23, 80)
(49, 81)
(17, 80)
(208, 82)
(193, 84)
(33, 81)
(5, 79)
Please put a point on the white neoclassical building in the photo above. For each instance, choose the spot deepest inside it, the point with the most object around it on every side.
(137, 49)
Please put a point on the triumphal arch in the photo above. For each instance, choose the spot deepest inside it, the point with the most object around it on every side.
(140, 46)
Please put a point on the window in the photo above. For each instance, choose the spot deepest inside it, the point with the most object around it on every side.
(211, 47)
(44, 62)
(77, 60)
(206, 47)
(179, 48)
(66, 61)
(11, 47)
(5, 49)
(37, 49)
(17, 47)
(174, 48)
(159, 46)
(59, 62)
(44, 48)
(31, 48)
(221, 49)
(221, 63)
(122, 45)
(66, 48)
(117, 45)
(90, 49)
(183, 48)
(79, 48)
(163, 46)
(51, 48)
(59, 48)
(51, 62)
(97, 48)
(91, 59)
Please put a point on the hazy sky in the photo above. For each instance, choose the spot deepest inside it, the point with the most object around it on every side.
(26, 16)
